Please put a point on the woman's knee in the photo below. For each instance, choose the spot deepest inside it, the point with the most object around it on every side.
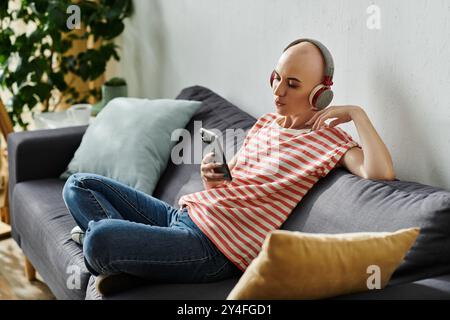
(70, 187)
(74, 184)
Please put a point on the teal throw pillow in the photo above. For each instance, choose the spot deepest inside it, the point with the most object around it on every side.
(130, 140)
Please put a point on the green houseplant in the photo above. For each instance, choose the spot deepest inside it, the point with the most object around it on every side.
(113, 88)
(34, 65)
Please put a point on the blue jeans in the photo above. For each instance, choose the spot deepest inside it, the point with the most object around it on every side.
(128, 231)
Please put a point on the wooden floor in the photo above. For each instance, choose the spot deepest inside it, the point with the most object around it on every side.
(13, 284)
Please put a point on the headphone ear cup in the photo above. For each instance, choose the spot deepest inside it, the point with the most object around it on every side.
(321, 96)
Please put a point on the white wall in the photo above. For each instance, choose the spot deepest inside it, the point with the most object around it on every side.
(400, 74)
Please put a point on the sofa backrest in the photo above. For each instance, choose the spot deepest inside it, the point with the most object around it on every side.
(342, 202)
(339, 203)
(215, 113)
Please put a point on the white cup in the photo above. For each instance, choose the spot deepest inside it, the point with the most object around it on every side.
(80, 114)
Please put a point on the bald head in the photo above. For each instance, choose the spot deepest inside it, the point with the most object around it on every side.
(305, 60)
(299, 70)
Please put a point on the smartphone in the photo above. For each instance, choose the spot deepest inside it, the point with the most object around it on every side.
(210, 137)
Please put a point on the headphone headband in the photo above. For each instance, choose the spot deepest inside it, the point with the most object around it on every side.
(329, 64)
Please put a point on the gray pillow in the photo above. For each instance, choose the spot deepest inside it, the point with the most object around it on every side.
(130, 140)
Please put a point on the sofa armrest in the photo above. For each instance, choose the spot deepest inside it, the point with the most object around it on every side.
(41, 154)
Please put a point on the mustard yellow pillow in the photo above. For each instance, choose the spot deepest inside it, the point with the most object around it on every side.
(296, 265)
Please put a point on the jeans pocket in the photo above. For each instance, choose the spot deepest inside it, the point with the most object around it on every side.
(208, 245)
(224, 269)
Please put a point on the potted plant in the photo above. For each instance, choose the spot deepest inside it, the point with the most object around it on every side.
(113, 88)
(39, 68)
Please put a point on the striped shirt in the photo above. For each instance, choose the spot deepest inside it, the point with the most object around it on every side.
(275, 168)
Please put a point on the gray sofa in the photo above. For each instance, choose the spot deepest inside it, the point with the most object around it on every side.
(340, 202)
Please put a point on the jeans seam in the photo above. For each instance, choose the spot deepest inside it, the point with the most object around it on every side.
(218, 271)
(121, 195)
(105, 212)
(157, 261)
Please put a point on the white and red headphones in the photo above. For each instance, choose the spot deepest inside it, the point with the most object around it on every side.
(321, 96)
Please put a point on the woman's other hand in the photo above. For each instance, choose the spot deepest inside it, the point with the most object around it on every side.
(342, 114)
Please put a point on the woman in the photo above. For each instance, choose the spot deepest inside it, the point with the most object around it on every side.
(216, 233)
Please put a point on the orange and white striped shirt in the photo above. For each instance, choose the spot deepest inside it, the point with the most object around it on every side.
(275, 168)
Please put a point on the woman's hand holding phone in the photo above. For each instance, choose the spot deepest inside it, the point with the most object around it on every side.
(210, 177)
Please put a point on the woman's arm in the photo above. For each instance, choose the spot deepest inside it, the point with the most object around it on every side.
(374, 160)
(374, 157)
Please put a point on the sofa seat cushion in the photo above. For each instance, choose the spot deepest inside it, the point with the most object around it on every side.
(41, 226)
(437, 288)
(432, 288)
(173, 291)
